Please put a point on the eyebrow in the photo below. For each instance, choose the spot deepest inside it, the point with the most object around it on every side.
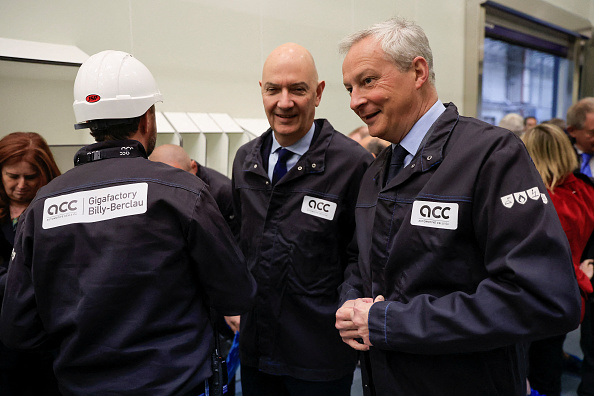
(294, 85)
(19, 174)
(355, 78)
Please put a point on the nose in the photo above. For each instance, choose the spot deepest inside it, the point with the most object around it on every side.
(285, 101)
(356, 100)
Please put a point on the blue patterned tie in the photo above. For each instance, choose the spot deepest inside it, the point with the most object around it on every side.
(280, 169)
(397, 162)
(585, 168)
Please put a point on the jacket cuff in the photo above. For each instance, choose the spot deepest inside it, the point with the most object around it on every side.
(352, 294)
(377, 324)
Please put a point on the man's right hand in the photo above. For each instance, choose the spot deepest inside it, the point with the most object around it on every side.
(349, 332)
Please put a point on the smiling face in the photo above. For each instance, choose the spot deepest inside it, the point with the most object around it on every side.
(385, 98)
(290, 92)
(21, 181)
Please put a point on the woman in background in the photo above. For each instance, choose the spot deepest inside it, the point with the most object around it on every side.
(572, 195)
(26, 164)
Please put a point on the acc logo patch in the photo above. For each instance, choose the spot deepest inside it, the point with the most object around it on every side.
(318, 207)
(435, 215)
(93, 206)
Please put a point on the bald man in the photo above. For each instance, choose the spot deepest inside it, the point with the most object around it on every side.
(294, 193)
(219, 185)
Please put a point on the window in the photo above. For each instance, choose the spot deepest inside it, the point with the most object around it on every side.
(529, 64)
(517, 79)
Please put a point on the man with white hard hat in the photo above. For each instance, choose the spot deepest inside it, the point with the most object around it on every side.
(117, 262)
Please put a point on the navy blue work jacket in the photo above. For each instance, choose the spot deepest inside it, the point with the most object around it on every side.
(467, 249)
(294, 236)
(116, 263)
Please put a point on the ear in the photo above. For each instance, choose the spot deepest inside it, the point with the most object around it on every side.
(194, 166)
(421, 68)
(146, 127)
(144, 123)
(319, 90)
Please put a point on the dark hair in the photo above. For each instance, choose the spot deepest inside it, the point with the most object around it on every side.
(116, 129)
(29, 147)
(529, 117)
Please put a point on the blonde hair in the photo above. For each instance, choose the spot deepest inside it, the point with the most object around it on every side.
(551, 152)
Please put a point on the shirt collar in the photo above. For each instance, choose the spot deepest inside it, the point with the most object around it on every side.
(415, 136)
(300, 147)
(580, 152)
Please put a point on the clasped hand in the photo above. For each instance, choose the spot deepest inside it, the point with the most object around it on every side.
(352, 322)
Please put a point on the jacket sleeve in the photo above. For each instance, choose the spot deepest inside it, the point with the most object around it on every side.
(222, 271)
(528, 290)
(352, 286)
(20, 324)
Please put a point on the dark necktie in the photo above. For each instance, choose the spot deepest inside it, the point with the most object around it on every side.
(280, 169)
(585, 168)
(397, 162)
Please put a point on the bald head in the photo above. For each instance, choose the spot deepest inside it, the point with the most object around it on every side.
(290, 92)
(293, 55)
(173, 155)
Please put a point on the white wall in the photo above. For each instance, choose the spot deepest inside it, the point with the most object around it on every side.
(207, 55)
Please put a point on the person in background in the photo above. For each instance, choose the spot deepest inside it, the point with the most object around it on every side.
(560, 122)
(461, 258)
(26, 164)
(374, 145)
(580, 126)
(359, 133)
(513, 122)
(117, 262)
(572, 195)
(529, 122)
(219, 185)
(294, 192)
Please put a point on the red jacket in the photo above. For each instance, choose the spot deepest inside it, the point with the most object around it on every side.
(573, 201)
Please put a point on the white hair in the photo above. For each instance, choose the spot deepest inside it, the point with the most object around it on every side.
(401, 40)
(513, 122)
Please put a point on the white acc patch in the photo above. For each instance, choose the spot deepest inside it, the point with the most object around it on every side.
(435, 215)
(318, 207)
(95, 205)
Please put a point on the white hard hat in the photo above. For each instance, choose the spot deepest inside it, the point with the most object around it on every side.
(113, 85)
